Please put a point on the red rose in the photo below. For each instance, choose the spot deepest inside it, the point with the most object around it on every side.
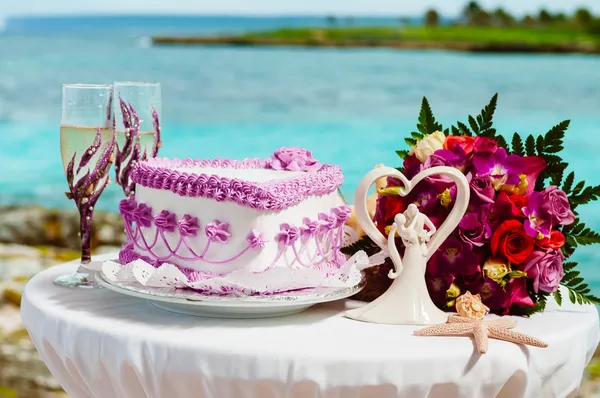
(517, 202)
(556, 241)
(464, 141)
(511, 241)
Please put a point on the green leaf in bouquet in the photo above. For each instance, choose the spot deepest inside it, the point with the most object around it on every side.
(402, 153)
(410, 141)
(517, 145)
(463, 129)
(530, 145)
(501, 142)
(568, 184)
(558, 297)
(427, 123)
(582, 194)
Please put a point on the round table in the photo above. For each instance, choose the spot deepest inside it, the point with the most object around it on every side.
(98, 343)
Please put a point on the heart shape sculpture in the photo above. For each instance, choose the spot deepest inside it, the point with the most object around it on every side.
(407, 301)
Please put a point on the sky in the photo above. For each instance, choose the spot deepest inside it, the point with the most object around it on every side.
(277, 7)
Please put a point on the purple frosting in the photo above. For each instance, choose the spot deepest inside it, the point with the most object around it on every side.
(287, 234)
(276, 194)
(143, 215)
(342, 214)
(309, 228)
(188, 225)
(328, 221)
(294, 159)
(217, 231)
(256, 240)
(165, 220)
(127, 207)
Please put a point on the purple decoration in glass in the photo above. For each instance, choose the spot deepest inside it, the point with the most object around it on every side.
(271, 195)
(127, 208)
(143, 215)
(128, 156)
(165, 220)
(287, 235)
(294, 159)
(188, 225)
(86, 191)
(256, 240)
(217, 231)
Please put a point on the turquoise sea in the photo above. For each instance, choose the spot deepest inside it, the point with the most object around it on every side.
(350, 107)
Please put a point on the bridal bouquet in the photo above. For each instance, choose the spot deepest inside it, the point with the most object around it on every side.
(513, 244)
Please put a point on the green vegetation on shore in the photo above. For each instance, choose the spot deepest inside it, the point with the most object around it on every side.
(477, 30)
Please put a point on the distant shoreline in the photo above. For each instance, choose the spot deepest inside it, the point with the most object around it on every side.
(400, 45)
(453, 38)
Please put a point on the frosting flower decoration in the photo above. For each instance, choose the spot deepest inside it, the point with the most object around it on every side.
(309, 228)
(294, 159)
(166, 221)
(127, 207)
(539, 220)
(188, 225)
(217, 231)
(287, 234)
(143, 215)
(256, 240)
(342, 214)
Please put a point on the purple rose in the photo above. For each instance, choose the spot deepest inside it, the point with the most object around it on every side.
(294, 159)
(127, 207)
(287, 234)
(546, 269)
(217, 231)
(482, 188)
(188, 225)
(474, 227)
(165, 220)
(143, 215)
(556, 202)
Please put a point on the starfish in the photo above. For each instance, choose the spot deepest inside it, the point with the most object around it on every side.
(481, 331)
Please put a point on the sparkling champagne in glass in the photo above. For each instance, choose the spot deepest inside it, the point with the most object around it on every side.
(87, 142)
(136, 108)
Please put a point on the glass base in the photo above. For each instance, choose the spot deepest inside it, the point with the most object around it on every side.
(79, 280)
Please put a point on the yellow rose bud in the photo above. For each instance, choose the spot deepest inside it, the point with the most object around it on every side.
(451, 294)
(428, 145)
(496, 269)
(445, 198)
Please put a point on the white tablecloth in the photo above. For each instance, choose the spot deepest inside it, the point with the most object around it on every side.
(98, 343)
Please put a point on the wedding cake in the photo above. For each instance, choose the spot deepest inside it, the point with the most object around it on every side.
(216, 221)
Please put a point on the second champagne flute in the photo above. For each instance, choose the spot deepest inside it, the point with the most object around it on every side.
(137, 107)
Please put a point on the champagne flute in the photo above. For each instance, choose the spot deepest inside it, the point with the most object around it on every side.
(87, 148)
(136, 108)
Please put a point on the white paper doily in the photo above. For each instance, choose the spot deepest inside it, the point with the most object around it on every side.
(274, 280)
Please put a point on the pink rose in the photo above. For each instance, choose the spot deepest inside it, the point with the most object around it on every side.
(545, 268)
(294, 159)
(557, 204)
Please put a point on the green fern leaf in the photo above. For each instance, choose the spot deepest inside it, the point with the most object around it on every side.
(501, 142)
(427, 123)
(568, 184)
(558, 297)
(517, 145)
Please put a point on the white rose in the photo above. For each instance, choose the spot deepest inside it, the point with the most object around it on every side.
(428, 145)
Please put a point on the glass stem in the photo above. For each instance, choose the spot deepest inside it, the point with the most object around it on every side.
(85, 231)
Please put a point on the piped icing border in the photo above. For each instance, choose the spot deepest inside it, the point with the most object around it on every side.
(278, 194)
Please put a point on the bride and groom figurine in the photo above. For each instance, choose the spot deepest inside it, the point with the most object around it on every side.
(407, 301)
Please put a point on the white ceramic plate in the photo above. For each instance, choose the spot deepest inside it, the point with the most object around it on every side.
(192, 303)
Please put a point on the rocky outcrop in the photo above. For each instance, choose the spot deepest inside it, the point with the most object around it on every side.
(36, 226)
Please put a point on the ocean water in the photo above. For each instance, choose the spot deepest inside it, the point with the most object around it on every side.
(351, 107)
